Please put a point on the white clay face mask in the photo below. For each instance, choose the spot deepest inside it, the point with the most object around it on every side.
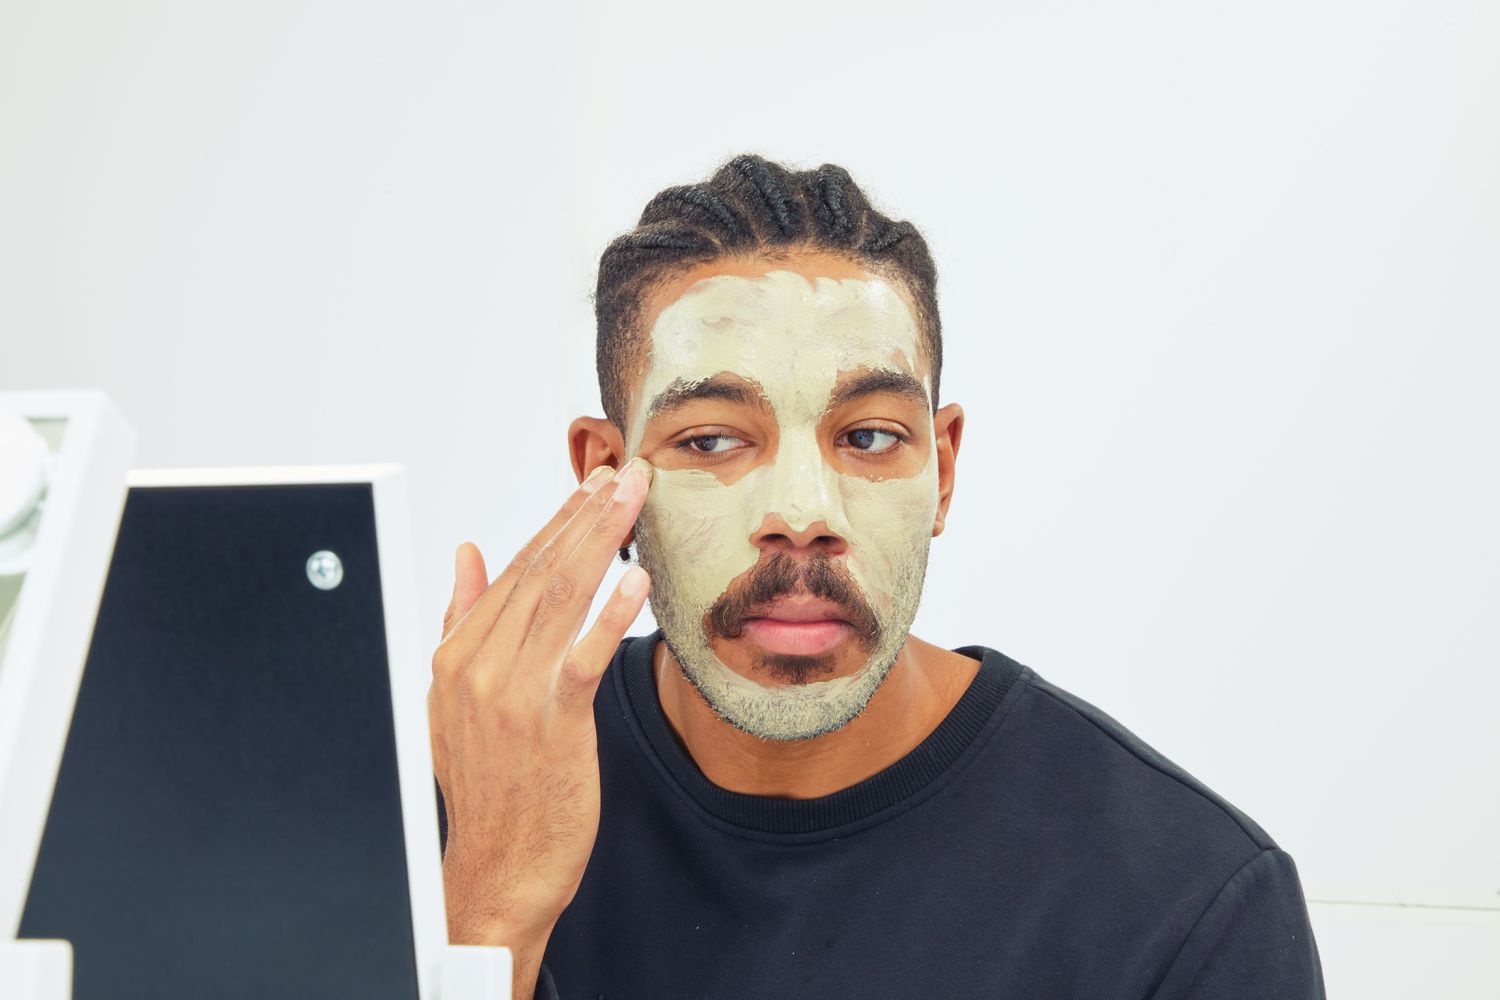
(791, 337)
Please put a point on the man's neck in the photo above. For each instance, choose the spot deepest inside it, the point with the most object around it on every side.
(922, 687)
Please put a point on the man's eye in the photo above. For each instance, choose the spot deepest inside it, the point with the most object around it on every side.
(873, 440)
(710, 444)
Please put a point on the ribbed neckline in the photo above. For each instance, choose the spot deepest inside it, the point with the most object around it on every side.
(944, 745)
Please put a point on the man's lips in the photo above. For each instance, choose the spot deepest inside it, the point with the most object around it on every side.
(797, 626)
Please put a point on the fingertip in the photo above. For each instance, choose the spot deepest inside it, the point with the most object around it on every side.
(645, 470)
(635, 582)
(596, 479)
(468, 561)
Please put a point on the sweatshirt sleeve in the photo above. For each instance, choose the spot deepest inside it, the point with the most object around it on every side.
(1254, 941)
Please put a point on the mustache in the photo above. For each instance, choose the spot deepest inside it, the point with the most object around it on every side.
(783, 576)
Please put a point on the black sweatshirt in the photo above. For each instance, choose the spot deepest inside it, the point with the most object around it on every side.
(1030, 847)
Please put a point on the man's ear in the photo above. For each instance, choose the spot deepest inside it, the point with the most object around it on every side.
(947, 430)
(592, 442)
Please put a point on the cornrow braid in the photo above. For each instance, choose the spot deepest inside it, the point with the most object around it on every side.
(774, 190)
(749, 206)
(838, 205)
(704, 208)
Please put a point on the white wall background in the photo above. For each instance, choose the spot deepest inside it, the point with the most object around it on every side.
(1220, 285)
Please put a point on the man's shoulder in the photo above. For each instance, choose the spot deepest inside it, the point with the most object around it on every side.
(1082, 765)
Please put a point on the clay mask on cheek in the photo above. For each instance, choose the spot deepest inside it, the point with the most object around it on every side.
(792, 338)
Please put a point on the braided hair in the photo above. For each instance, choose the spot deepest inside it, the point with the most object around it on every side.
(750, 207)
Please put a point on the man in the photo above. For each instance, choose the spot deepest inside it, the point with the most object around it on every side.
(783, 792)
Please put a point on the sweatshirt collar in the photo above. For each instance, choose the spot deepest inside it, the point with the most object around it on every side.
(941, 750)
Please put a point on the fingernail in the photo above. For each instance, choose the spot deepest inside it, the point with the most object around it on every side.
(632, 479)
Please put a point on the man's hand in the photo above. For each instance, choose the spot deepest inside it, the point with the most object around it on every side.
(512, 717)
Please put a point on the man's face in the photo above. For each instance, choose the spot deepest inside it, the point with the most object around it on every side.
(788, 416)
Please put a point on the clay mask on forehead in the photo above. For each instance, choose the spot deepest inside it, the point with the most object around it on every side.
(791, 338)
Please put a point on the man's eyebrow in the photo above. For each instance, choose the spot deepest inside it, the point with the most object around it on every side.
(681, 392)
(884, 380)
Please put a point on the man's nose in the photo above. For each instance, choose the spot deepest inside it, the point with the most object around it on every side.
(803, 508)
(775, 533)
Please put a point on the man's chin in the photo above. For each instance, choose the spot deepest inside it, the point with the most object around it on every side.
(776, 697)
(778, 663)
